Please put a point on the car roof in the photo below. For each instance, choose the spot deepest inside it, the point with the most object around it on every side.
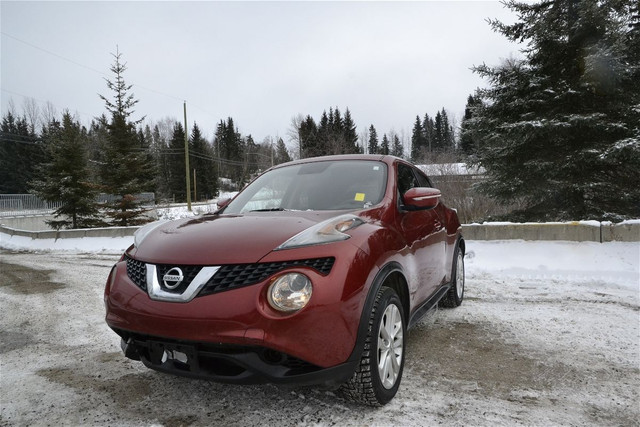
(371, 157)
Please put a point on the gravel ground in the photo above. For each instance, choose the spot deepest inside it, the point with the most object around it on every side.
(534, 350)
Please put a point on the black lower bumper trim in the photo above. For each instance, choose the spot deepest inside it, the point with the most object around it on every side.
(229, 363)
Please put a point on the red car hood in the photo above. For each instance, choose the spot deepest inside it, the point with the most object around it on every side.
(224, 239)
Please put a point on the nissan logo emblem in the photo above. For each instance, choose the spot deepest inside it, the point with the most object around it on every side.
(173, 278)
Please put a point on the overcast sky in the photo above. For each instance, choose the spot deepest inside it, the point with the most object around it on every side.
(259, 62)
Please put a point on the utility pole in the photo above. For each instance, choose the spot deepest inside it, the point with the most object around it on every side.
(195, 188)
(186, 157)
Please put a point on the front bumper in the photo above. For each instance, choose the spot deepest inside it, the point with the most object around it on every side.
(229, 363)
(321, 336)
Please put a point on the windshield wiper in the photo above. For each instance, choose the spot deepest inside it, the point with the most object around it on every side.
(269, 210)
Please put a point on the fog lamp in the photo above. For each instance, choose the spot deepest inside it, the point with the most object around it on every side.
(289, 292)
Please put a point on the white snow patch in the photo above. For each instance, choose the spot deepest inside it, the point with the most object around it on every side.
(613, 263)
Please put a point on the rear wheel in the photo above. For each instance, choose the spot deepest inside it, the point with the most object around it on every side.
(377, 377)
(454, 296)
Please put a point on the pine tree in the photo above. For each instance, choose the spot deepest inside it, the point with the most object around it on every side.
(429, 132)
(418, 141)
(468, 143)
(281, 155)
(176, 165)
(559, 130)
(124, 163)
(350, 134)
(228, 145)
(201, 160)
(397, 149)
(309, 138)
(373, 141)
(384, 147)
(448, 137)
(65, 178)
(20, 153)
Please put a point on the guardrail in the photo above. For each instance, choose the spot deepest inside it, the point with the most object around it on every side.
(24, 204)
(583, 231)
(30, 204)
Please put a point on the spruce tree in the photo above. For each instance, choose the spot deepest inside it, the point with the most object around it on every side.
(397, 149)
(124, 166)
(281, 155)
(176, 165)
(309, 138)
(559, 129)
(20, 153)
(468, 143)
(384, 147)
(429, 132)
(201, 160)
(65, 178)
(418, 141)
(350, 134)
(373, 141)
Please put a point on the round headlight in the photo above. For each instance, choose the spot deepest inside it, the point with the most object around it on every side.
(290, 292)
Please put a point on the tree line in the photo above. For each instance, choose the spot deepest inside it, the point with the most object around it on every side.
(556, 132)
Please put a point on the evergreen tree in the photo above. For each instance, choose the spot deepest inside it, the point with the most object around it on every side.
(65, 178)
(418, 141)
(309, 138)
(201, 160)
(559, 130)
(448, 136)
(124, 163)
(397, 149)
(373, 141)
(429, 132)
(323, 146)
(438, 144)
(176, 164)
(20, 153)
(96, 146)
(162, 160)
(145, 143)
(468, 143)
(228, 144)
(384, 147)
(350, 135)
(281, 155)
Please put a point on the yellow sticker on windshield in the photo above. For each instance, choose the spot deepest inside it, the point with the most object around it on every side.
(359, 197)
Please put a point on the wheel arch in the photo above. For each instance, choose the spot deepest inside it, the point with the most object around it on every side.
(391, 275)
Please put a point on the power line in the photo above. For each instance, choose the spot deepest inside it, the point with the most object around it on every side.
(86, 66)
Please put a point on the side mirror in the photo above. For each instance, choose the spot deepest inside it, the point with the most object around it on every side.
(421, 198)
(223, 202)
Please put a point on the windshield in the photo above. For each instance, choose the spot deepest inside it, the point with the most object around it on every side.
(326, 185)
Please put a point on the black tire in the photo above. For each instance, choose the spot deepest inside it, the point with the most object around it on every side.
(367, 385)
(455, 295)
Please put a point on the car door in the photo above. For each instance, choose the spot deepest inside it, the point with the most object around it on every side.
(425, 237)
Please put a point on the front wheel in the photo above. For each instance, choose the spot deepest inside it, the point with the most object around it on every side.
(454, 296)
(377, 377)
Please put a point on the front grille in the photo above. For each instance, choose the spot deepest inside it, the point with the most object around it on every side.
(228, 276)
(188, 271)
(137, 272)
(241, 275)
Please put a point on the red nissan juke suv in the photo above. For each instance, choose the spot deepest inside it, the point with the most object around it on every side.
(311, 275)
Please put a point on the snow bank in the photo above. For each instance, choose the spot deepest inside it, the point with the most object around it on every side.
(612, 263)
(84, 244)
